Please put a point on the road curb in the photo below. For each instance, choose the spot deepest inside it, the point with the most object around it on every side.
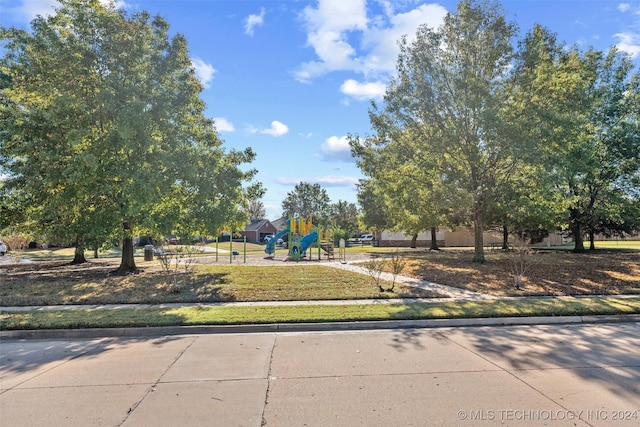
(311, 327)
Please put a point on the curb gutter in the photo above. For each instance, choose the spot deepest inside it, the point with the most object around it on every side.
(311, 327)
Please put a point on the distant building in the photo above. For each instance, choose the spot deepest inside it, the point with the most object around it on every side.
(258, 230)
(396, 238)
(460, 237)
(280, 223)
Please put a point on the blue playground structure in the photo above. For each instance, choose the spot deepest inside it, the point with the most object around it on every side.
(302, 235)
(271, 244)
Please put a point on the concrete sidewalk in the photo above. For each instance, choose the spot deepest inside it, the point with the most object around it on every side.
(569, 375)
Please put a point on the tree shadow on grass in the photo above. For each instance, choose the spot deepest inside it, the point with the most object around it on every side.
(94, 286)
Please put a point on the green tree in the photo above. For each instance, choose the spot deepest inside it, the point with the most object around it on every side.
(450, 95)
(603, 190)
(591, 108)
(106, 133)
(305, 200)
(373, 206)
(343, 217)
(618, 215)
(406, 181)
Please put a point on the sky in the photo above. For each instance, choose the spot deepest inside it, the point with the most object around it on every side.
(293, 78)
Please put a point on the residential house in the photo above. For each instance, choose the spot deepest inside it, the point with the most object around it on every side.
(258, 230)
(399, 239)
(280, 223)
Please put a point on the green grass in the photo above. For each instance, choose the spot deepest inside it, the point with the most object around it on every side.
(251, 248)
(184, 316)
(238, 282)
(601, 244)
(216, 283)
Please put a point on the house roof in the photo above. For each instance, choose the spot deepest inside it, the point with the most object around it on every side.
(280, 224)
(256, 224)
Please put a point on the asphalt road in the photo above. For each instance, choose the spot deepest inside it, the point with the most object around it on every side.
(556, 375)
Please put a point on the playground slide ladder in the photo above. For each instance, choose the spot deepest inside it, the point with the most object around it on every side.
(327, 246)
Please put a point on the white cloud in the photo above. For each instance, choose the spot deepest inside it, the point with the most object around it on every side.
(382, 40)
(327, 29)
(204, 71)
(223, 125)
(277, 129)
(325, 181)
(624, 7)
(253, 21)
(120, 4)
(629, 43)
(363, 91)
(333, 25)
(337, 148)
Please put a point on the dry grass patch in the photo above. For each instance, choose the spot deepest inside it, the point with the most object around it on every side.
(602, 272)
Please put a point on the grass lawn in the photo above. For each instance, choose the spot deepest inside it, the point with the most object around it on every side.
(147, 317)
(548, 272)
(604, 244)
(57, 283)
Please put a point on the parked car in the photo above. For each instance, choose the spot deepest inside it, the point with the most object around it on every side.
(3, 248)
(366, 238)
(282, 243)
(267, 238)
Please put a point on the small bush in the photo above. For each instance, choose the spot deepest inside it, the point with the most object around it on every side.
(375, 267)
(16, 244)
(179, 260)
(397, 266)
(520, 256)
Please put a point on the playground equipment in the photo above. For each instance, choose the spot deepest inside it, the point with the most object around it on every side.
(271, 244)
(233, 254)
(302, 235)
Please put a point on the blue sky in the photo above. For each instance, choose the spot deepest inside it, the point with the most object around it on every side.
(292, 78)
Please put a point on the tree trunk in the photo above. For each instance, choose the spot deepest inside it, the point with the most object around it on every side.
(127, 263)
(434, 242)
(577, 237)
(95, 253)
(414, 239)
(505, 238)
(592, 240)
(478, 231)
(78, 256)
